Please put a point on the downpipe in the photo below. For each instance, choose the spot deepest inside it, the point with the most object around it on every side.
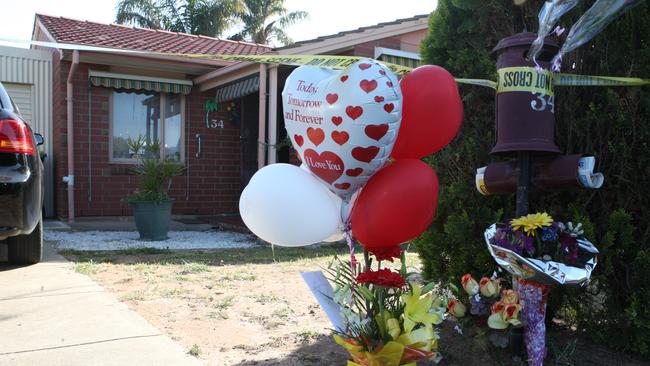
(69, 179)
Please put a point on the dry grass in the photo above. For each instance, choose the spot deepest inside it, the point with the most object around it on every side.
(226, 307)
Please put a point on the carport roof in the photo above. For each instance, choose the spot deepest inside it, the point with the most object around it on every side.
(65, 30)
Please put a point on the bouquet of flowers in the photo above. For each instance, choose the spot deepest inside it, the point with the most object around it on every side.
(540, 252)
(490, 304)
(537, 236)
(536, 248)
(389, 319)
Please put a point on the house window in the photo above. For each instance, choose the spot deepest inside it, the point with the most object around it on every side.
(157, 117)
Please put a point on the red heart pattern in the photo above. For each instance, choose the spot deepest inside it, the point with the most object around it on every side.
(340, 137)
(326, 165)
(354, 172)
(299, 139)
(365, 154)
(354, 112)
(345, 185)
(341, 123)
(368, 85)
(316, 135)
(376, 132)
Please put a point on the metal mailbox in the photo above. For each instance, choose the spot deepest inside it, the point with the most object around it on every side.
(525, 105)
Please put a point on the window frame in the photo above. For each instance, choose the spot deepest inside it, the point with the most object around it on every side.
(161, 127)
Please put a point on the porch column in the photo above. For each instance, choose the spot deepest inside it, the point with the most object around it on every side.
(273, 113)
(261, 131)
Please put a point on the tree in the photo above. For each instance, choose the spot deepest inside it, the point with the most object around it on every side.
(205, 17)
(610, 123)
(266, 20)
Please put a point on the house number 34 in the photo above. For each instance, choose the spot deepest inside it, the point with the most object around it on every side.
(542, 102)
(215, 123)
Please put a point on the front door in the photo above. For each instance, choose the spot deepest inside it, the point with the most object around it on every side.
(248, 136)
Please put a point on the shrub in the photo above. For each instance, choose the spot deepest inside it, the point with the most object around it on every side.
(154, 171)
(610, 123)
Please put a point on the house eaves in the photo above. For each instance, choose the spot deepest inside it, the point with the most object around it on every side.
(344, 40)
(322, 45)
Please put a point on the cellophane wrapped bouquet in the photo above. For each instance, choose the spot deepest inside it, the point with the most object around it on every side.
(390, 319)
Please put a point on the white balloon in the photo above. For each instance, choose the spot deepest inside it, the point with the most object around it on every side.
(287, 206)
(337, 236)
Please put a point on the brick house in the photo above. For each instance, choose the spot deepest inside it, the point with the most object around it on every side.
(107, 97)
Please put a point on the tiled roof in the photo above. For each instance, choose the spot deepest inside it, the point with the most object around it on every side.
(358, 30)
(73, 31)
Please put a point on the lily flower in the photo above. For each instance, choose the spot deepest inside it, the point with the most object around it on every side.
(416, 309)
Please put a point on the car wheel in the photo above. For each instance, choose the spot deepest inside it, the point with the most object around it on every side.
(27, 249)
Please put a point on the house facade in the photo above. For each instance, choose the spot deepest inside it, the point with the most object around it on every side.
(220, 120)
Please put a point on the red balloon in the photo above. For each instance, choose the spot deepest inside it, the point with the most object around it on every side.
(396, 205)
(431, 112)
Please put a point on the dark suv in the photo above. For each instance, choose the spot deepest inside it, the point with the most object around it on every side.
(21, 185)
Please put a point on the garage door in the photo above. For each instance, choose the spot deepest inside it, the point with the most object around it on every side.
(22, 97)
(27, 76)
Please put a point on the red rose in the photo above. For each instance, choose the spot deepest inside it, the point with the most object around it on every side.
(384, 278)
(386, 254)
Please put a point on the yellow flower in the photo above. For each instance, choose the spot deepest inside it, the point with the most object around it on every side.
(507, 315)
(509, 297)
(531, 222)
(416, 310)
(469, 284)
(393, 328)
(456, 308)
(488, 287)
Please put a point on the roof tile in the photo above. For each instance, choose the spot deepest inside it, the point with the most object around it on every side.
(120, 36)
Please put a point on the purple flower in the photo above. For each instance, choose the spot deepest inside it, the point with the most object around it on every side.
(504, 243)
(569, 247)
(549, 234)
(529, 246)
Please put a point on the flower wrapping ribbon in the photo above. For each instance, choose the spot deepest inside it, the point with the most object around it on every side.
(534, 296)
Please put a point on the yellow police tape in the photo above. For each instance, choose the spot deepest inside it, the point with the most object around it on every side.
(508, 77)
(506, 81)
(326, 61)
(588, 80)
(526, 79)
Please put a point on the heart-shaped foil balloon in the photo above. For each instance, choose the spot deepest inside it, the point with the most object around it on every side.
(343, 123)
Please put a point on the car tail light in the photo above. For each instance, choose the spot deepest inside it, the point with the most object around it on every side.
(15, 137)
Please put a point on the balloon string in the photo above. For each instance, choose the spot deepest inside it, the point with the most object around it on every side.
(557, 62)
(351, 242)
(558, 32)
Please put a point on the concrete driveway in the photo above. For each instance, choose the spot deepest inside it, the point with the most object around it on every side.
(51, 315)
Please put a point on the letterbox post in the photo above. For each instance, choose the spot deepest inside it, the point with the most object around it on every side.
(525, 118)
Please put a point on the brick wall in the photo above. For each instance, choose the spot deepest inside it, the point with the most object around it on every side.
(210, 184)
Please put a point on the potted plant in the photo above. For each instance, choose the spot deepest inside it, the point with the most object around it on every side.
(152, 207)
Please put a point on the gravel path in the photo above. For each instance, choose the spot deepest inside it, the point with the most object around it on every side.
(115, 240)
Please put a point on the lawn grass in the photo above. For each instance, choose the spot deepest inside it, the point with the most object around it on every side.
(197, 260)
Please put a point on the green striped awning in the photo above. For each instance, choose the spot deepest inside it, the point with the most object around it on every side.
(404, 61)
(237, 89)
(133, 82)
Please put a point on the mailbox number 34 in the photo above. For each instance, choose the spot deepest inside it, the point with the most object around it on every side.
(543, 102)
